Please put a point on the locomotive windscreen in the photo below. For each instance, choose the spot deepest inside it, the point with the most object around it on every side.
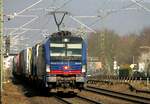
(66, 48)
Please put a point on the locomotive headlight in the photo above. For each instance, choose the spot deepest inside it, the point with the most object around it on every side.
(65, 40)
(83, 68)
(65, 67)
(47, 68)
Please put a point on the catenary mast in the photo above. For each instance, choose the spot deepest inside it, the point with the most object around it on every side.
(1, 46)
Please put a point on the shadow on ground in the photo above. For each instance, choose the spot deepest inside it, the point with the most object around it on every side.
(30, 91)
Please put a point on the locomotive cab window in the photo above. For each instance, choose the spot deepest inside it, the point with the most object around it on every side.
(74, 49)
(67, 49)
(57, 49)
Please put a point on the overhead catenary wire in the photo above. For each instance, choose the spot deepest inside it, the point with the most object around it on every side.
(29, 7)
(24, 25)
(35, 17)
(22, 11)
(54, 1)
(29, 29)
(67, 2)
(63, 5)
(124, 8)
(131, 4)
(104, 4)
(62, 18)
(32, 20)
(140, 5)
(71, 16)
(75, 19)
(46, 23)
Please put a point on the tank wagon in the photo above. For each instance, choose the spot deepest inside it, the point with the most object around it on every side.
(58, 63)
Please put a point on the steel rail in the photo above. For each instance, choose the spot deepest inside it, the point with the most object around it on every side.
(128, 97)
(62, 100)
(88, 100)
(77, 97)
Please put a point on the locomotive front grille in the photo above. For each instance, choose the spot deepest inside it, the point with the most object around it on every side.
(65, 82)
(65, 79)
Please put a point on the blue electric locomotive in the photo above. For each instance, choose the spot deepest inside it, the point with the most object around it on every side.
(61, 63)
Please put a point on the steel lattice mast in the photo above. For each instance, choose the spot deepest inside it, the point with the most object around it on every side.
(1, 46)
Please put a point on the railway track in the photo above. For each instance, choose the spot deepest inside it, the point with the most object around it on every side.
(62, 100)
(116, 82)
(123, 96)
(89, 100)
(79, 99)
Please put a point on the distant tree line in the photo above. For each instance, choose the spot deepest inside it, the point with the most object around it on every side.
(108, 45)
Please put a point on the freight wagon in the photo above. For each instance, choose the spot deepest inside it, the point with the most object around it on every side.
(58, 63)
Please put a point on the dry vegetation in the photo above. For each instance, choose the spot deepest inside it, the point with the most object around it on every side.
(122, 47)
(13, 94)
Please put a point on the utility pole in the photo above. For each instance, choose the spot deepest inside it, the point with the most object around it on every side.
(7, 45)
(102, 48)
(1, 46)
